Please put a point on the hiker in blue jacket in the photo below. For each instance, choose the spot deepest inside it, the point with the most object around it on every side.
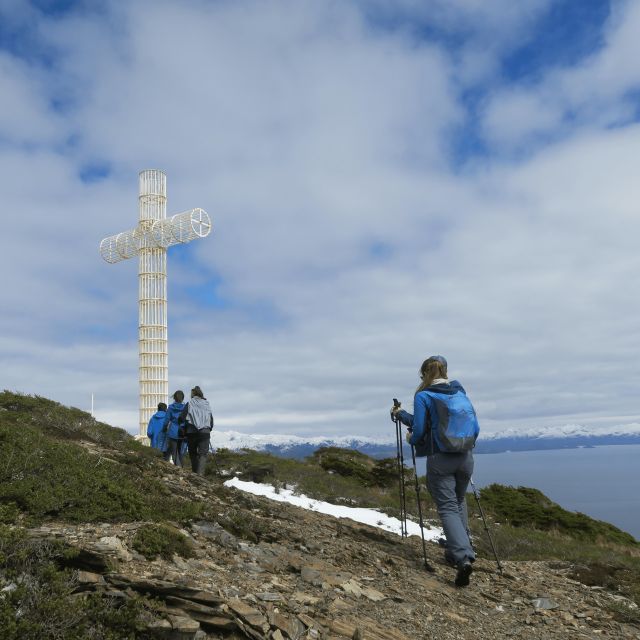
(154, 430)
(444, 428)
(176, 443)
(197, 419)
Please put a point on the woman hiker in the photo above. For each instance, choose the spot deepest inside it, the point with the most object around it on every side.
(444, 427)
(175, 446)
(197, 420)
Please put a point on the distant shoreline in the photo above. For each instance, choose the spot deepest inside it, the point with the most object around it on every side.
(504, 445)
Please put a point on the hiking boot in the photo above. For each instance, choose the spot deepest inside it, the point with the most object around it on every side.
(450, 560)
(464, 571)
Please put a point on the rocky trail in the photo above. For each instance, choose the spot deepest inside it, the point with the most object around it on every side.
(292, 573)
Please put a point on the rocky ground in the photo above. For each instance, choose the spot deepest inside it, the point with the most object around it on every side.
(306, 575)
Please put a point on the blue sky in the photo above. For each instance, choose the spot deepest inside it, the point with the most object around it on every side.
(386, 180)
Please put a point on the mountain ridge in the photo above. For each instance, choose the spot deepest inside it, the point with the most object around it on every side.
(569, 436)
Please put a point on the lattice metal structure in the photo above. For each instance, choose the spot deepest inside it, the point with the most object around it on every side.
(149, 241)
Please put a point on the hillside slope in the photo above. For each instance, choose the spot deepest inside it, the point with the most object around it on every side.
(102, 539)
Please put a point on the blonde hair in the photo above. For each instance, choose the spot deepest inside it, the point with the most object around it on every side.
(430, 370)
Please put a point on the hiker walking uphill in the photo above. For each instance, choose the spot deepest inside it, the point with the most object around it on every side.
(175, 446)
(197, 421)
(444, 428)
(155, 432)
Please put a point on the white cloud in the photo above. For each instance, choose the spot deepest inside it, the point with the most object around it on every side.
(345, 247)
(477, 32)
(518, 115)
(24, 118)
(599, 92)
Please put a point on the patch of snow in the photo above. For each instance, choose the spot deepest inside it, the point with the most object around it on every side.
(371, 517)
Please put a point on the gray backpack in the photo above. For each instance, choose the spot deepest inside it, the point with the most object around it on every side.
(199, 414)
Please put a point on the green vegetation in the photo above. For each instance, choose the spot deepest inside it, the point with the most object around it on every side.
(161, 540)
(351, 463)
(45, 473)
(60, 422)
(59, 463)
(38, 599)
(525, 507)
(9, 513)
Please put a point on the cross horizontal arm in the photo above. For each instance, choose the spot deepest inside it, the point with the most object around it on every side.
(179, 229)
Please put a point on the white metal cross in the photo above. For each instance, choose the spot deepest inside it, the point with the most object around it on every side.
(149, 241)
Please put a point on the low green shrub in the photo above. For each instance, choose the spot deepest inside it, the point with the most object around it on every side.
(62, 422)
(385, 473)
(526, 507)
(345, 462)
(9, 513)
(351, 463)
(45, 477)
(162, 540)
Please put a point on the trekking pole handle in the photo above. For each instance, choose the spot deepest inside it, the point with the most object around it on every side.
(396, 404)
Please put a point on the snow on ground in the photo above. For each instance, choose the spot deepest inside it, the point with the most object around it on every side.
(365, 516)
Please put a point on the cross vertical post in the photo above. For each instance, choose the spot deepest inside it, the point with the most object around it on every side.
(149, 242)
(152, 298)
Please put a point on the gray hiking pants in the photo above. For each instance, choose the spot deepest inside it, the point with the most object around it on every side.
(448, 476)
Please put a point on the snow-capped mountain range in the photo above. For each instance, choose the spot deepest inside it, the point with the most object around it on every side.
(567, 431)
(237, 440)
(566, 436)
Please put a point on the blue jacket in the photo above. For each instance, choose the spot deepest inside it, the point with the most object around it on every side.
(424, 415)
(155, 432)
(171, 421)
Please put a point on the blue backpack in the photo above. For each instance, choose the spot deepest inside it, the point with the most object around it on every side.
(457, 428)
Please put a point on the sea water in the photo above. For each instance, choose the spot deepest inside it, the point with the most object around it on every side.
(602, 482)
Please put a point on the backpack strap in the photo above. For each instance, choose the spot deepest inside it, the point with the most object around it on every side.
(426, 445)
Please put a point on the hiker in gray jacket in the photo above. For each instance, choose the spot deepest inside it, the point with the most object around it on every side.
(197, 421)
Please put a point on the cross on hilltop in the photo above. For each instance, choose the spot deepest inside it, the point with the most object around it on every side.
(149, 241)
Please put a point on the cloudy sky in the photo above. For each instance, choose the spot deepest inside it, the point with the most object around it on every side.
(388, 179)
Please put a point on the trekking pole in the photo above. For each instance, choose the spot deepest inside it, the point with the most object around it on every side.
(400, 464)
(486, 528)
(403, 483)
(403, 497)
(427, 566)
